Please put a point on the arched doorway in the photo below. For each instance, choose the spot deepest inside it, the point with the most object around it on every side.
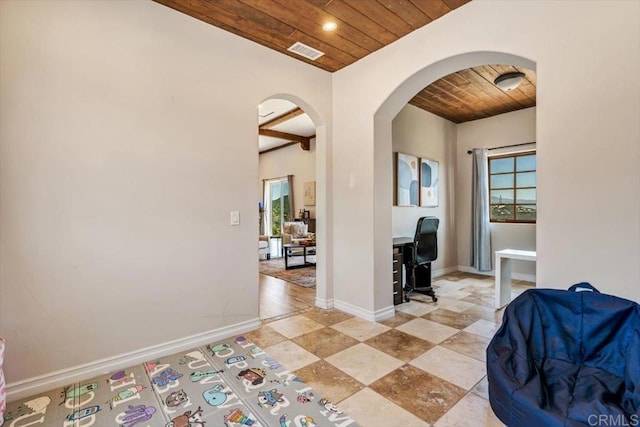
(293, 109)
(382, 136)
(362, 126)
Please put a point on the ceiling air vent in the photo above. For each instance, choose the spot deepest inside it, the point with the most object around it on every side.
(306, 51)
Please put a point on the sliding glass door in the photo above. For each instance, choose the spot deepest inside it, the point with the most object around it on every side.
(277, 207)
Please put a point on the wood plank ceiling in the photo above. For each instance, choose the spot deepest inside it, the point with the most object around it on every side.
(470, 94)
(363, 26)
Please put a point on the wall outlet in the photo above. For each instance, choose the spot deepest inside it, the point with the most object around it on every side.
(235, 217)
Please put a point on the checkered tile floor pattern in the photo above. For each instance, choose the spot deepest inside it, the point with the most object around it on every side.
(423, 367)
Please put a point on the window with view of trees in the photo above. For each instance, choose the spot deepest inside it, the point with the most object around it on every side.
(277, 205)
(512, 187)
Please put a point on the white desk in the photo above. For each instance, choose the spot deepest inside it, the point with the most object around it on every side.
(503, 272)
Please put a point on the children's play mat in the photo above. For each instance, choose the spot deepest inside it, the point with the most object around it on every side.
(230, 383)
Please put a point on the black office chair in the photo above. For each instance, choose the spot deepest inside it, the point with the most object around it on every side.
(425, 250)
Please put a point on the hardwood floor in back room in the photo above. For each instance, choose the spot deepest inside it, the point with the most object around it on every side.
(279, 297)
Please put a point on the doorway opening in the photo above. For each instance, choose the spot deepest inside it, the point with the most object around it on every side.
(277, 207)
(453, 167)
(288, 209)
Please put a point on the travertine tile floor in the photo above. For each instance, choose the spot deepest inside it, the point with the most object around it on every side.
(423, 367)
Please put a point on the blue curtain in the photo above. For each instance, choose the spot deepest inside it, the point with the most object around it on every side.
(480, 232)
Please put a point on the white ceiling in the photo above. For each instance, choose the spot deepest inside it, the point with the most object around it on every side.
(272, 108)
(301, 125)
(268, 142)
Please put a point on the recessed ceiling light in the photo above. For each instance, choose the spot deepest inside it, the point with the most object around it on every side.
(329, 26)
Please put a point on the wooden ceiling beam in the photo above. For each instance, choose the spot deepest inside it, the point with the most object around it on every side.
(282, 118)
(283, 135)
(305, 141)
(278, 147)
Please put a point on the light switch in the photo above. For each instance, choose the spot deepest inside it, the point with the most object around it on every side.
(235, 218)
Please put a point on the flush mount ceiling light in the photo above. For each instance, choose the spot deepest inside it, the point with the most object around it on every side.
(329, 26)
(509, 81)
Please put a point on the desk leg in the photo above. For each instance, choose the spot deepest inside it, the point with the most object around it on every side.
(408, 277)
(503, 281)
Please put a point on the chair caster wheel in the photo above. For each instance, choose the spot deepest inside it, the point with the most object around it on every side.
(434, 299)
(407, 299)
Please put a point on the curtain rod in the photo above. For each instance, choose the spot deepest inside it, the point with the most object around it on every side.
(506, 146)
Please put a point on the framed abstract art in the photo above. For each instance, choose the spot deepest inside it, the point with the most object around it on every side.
(429, 183)
(406, 180)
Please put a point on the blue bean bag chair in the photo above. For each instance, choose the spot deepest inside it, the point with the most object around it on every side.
(566, 358)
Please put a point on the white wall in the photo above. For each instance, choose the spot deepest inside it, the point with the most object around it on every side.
(423, 134)
(128, 132)
(589, 223)
(291, 160)
(505, 129)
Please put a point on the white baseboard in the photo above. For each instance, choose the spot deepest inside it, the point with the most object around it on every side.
(42, 383)
(443, 271)
(353, 309)
(325, 304)
(374, 316)
(517, 276)
(468, 269)
(384, 313)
